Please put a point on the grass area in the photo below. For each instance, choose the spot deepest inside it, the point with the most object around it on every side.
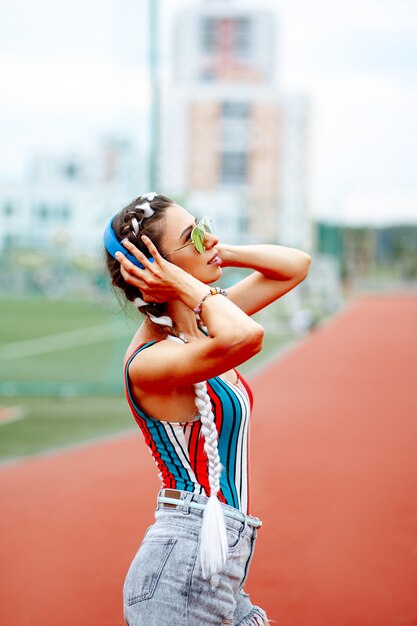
(37, 317)
(74, 393)
(52, 422)
(82, 360)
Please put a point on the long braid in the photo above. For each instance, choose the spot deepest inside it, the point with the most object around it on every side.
(214, 546)
(213, 543)
(209, 432)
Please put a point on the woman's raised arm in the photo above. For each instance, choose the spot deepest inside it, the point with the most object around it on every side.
(234, 336)
(278, 269)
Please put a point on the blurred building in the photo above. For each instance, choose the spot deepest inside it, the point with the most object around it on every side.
(64, 200)
(233, 145)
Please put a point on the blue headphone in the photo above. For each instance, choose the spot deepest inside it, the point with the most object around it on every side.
(113, 245)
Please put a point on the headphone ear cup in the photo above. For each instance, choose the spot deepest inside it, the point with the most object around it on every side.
(113, 245)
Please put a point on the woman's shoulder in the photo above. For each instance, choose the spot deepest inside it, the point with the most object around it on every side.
(148, 363)
(141, 337)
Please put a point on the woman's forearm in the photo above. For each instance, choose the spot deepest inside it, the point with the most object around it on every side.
(224, 320)
(276, 262)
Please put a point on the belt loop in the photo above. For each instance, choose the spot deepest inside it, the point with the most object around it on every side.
(186, 503)
(245, 524)
(161, 492)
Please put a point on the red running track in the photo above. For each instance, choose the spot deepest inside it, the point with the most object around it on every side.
(334, 479)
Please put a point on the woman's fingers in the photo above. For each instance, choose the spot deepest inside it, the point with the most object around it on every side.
(124, 262)
(147, 296)
(152, 249)
(131, 277)
(130, 268)
(137, 254)
(152, 282)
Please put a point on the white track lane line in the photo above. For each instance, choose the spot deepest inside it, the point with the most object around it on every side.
(61, 341)
(11, 414)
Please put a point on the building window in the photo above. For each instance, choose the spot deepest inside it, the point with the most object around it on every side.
(220, 34)
(209, 28)
(239, 110)
(8, 209)
(234, 126)
(242, 36)
(233, 168)
(234, 142)
(43, 212)
(9, 241)
(65, 212)
(71, 170)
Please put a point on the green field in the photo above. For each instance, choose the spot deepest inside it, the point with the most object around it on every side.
(61, 370)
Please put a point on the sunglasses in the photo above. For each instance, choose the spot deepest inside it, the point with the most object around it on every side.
(198, 235)
(113, 245)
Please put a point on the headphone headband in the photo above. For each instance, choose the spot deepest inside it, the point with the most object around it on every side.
(113, 245)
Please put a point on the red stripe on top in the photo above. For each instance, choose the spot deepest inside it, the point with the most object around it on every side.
(194, 455)
(202, 466)
(219, 421)
(168, 477)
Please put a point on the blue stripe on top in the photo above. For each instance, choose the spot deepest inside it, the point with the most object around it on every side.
(177, 447)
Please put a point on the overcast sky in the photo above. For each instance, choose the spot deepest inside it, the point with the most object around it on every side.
(71, 70)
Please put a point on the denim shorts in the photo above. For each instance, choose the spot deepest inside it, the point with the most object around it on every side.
(164, 584)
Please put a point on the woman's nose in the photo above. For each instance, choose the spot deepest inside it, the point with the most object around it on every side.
(210, 240)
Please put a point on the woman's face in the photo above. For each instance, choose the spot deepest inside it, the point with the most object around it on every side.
(177, 232)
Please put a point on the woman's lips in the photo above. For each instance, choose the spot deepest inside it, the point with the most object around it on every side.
(216, 261)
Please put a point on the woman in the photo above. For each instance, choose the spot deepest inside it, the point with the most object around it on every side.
(193, 406)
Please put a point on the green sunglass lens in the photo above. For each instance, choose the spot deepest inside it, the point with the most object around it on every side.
(197, 235)
(198, 239)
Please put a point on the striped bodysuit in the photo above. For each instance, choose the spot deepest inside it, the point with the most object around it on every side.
(178, 448)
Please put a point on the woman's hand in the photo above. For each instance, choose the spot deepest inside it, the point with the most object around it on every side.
(159, 281)
(273, 261)
(278, 269)
(223, 250)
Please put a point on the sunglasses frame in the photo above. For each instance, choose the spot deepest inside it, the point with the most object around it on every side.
(197, 235)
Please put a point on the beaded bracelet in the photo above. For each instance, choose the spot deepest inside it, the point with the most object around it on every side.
(213, 291)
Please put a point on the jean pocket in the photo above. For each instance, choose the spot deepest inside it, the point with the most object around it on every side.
(146, 569)
(234, 538)
(249, 560)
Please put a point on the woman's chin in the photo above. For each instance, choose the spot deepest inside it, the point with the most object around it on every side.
(216, 275)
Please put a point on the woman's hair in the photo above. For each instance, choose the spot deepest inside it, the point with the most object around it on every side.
(125, 224)
(145, 216)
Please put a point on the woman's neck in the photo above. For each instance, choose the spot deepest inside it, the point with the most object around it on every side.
(185, 319)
